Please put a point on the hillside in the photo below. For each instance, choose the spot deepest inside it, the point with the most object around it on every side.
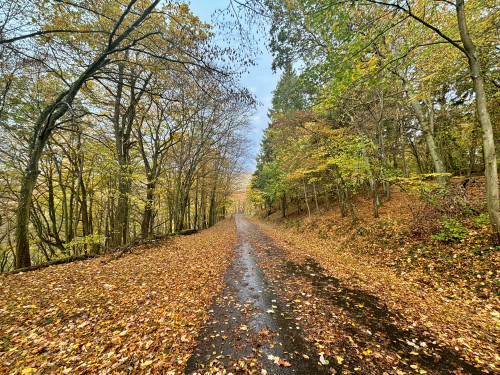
(304, 295)
(449, 288)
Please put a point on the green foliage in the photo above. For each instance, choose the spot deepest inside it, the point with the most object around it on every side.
(289, 95)
(482, 220)
(81, 243)
(451, 230)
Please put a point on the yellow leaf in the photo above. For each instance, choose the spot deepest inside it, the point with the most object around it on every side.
(28, 370)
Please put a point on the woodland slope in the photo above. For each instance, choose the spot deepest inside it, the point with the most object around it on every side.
(449, 289)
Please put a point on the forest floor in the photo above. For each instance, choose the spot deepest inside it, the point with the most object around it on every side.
(320, 295)
(141, 313)
(447, 292)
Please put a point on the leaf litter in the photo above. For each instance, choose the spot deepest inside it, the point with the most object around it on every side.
(309, 304)
(348, 296)
(139, 314)
(249, 330)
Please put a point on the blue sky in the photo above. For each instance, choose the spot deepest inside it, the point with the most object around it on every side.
(260, 80)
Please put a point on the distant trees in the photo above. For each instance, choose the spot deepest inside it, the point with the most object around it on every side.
(132, 109)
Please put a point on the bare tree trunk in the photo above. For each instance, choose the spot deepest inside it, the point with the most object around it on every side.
(53, 215)
(373, 184)
(147, 216)
(84, 203)
(305, 198)
(426, 130)
(489, 154)
(28, 182)
(188, 213)
(121, 223)
(403, 146)
(316, 198)
(203, 204)
(106, 222)
(195, 218)
(283, 205)
(64, 201)
(376, 200)
(212, 209)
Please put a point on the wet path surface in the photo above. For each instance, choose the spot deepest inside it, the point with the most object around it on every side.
(249, 328)
(280, 317)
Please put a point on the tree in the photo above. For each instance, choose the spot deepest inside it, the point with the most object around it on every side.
(323, 30)
(132, 103)
(46, 122)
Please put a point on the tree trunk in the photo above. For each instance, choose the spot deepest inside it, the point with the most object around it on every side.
(84, 209)
(428, 135)
(195, 218)
(489, 154)
(305, 198)
(148, 210)
(53, 215)
(316, 198)
(203, 206)
(212, 209)
(28, 182)
(376, 200)
(116, 224)
(403, 148)
(283, 205)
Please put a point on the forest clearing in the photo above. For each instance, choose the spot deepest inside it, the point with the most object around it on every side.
(144, 230)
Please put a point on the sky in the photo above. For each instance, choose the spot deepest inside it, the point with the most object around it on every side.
(260, 80)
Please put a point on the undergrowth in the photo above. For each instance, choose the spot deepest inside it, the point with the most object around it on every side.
(442, 236)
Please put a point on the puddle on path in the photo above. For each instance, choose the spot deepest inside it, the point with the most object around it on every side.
(248, 323)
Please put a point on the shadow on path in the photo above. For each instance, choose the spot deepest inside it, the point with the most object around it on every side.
(368, 323)
(251, 329)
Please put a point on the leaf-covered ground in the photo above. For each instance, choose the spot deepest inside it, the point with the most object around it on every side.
(250, 329)
(286, 310)
(426, 283)
(139, 314)
(322, 294)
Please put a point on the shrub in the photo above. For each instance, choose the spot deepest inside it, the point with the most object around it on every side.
(451, 230)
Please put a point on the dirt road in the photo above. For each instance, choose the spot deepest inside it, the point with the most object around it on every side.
(264, 323)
